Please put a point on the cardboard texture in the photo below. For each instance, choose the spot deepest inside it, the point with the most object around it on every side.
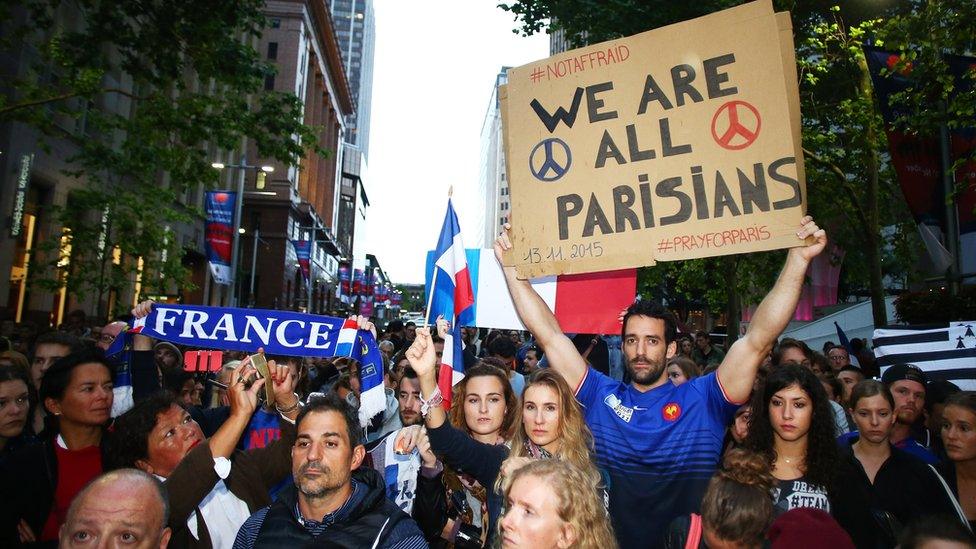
(676, 143)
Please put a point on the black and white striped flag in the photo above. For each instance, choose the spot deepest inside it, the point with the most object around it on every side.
(946, 351)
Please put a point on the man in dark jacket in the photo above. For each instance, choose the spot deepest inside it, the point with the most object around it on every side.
(333, 502)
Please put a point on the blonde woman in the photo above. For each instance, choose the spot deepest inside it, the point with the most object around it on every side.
(553, 504)
(549, 424)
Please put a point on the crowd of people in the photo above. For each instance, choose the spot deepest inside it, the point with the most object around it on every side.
(656, 437)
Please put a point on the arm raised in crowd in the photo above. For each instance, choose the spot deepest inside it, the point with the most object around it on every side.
(737, 373)
(458, 450)
(539, 320)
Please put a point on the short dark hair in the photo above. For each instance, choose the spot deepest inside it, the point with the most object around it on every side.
(407, 373)
(652, 309)
(394, 326)
(128, 442)
(57, 337)
(790, 343)
(502, 346)
(56, 379)
(934, 527)
(411, 324)
(938, 391)
(330, 402)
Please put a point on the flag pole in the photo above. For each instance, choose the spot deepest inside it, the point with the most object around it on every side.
(433, 274)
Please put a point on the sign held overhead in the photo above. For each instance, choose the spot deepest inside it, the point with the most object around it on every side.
(677, 143)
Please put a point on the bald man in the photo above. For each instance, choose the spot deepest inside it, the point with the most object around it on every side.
(109, 333)
(126, 507)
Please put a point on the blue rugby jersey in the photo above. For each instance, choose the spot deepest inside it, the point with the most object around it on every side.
(658, 448)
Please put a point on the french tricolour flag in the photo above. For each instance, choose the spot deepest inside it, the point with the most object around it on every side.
(582, 303)
(451, 296)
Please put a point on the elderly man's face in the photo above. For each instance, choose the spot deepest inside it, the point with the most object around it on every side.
(108, 335)
(121, 513)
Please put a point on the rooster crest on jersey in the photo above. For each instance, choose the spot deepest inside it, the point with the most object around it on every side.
(671, 411)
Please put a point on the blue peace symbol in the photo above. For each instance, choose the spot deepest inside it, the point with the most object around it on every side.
(550, 170)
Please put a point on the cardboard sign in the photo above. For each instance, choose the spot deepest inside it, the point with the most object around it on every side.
(677, 143)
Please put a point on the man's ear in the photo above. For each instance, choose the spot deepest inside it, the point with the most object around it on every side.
(144, 465)
(358, 454)
(164, 538)
(672, 349)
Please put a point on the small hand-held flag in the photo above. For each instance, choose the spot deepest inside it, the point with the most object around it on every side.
(450, 295)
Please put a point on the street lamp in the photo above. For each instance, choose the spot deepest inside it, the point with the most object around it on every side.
(243, 166)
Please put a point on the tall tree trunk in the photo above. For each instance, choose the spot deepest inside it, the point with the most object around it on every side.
(872, 232)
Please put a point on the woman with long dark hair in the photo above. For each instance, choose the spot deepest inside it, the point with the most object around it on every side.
(793, 427)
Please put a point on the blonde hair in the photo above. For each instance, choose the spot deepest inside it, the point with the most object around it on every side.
(578, 501)
(575, 439)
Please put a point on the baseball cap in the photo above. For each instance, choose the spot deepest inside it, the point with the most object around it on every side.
(900, 372)
(806, 528)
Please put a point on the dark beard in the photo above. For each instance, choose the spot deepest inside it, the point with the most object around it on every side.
(649, 377)
(314, 491)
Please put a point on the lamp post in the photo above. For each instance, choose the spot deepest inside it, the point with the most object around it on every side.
(235, 245)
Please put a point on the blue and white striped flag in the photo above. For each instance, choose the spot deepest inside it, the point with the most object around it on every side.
(942, 351)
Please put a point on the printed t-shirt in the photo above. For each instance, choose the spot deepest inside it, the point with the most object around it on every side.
(658, 449)
(799, 494)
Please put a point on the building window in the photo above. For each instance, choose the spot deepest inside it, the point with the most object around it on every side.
(272, 50)
(269, 82)
(275, 23)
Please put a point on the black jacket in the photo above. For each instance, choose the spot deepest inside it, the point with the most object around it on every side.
(368, 524)
(904, 486)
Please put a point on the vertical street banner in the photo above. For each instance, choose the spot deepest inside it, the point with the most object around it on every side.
(366, 306)
(303, 250)
(219, 206)
(345, 283)
(917, 159)
(357, 282)
(396, 298)
(676, 143)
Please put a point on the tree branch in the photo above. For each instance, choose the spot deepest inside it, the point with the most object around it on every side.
(833, 168)
(53, 99)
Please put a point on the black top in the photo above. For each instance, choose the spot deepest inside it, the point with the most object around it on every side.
(905, 486)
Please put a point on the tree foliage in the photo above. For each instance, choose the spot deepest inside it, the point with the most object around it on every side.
(850, 183)
(143, 92)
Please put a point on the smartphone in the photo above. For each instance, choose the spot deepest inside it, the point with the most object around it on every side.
(261, 365)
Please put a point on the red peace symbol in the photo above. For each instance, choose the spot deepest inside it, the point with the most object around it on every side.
(736, 126)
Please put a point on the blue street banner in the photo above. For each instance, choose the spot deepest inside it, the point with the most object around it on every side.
(219, 206)
(303, 249)
(278, 332)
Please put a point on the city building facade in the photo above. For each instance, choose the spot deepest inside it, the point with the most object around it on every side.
(297, 202)
(492, 179)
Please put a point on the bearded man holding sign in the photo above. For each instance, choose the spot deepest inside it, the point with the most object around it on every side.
(659, 443)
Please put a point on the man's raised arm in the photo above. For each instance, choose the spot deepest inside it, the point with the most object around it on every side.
(539, 320)
(737, 373)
